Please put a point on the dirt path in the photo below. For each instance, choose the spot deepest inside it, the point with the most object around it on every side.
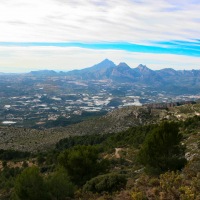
(117, 150)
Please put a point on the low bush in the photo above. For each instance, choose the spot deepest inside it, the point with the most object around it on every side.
(106, 183)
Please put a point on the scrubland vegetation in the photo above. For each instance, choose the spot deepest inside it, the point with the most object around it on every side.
(155, 161)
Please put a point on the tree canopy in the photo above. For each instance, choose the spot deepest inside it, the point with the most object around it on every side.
(30, 185)
(60, 186)
(162, 148)
(81, 163)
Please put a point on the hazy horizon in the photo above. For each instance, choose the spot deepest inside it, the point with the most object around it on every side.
(57, 70)
(65, 35)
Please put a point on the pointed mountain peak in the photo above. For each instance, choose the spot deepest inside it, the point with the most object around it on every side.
(143, 68)
(104, 64)
(123, 64)
(106, 61)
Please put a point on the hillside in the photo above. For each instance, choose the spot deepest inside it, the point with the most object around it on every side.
(109, 166)
(113, 122)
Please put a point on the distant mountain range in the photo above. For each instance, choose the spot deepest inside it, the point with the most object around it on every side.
(122, 72)
(167, 79)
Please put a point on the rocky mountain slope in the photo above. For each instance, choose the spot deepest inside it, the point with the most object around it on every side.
(123, 72)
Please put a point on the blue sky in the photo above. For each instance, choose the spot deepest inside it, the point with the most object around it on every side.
(73, 34)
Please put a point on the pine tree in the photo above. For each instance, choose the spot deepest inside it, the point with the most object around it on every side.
(29, 185)
(162, 148)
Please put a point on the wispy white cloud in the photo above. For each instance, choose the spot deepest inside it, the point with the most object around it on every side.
(162, 23)
(94, 20)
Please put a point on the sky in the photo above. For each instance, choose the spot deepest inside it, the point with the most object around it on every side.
(74, 34)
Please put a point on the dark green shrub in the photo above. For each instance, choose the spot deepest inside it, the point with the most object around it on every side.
(60, 186)
(162, 149)
(29, 185)
(106, 183)
(7, 177)
(82, 163)
(40, 159)
(12, 154)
